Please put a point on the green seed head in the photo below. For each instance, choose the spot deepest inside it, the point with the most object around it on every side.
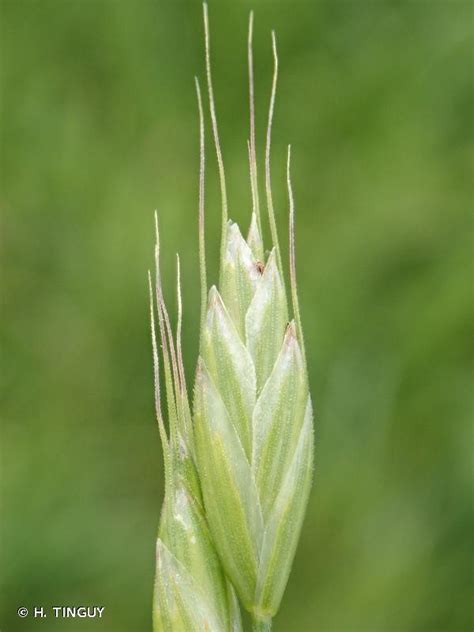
(192, 592)
(253, 427)
(238, 468)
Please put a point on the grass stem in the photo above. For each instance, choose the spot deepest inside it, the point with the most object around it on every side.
(261, 625)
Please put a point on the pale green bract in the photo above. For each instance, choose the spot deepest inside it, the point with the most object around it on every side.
(253, 427)
(238, 469)
(192, 593)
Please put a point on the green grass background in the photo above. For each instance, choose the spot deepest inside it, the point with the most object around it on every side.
(98, 128)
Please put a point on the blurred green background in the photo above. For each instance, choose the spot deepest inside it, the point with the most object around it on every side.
(98, 128)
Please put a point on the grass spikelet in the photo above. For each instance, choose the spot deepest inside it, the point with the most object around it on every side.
(238, 468)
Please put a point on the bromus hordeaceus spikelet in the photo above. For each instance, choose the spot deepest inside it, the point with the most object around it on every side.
(191, 591)
(238, 469)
